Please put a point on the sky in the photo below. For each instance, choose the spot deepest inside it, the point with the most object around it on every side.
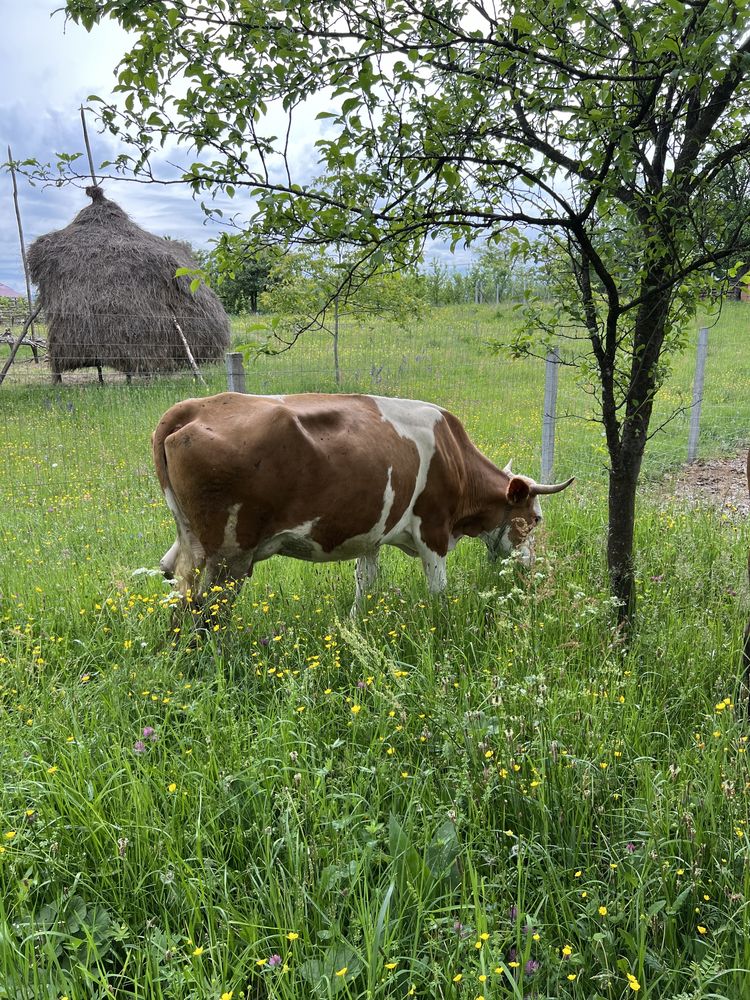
(48, 68)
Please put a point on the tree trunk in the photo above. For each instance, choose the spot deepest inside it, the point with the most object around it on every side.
(626, 455)
(622, 492)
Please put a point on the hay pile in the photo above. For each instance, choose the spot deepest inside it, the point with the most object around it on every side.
(110, 296)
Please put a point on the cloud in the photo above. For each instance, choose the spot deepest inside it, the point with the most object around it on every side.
(48, 68)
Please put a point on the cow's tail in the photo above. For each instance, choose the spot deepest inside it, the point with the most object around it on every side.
(164, 428)
(173, 420)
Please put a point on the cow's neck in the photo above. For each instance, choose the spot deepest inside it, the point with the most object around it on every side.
(485, 506)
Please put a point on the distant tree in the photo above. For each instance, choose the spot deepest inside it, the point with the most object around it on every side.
(238, 268)
(445, 284)
(602, 123)
(495, 270)
(312, 289)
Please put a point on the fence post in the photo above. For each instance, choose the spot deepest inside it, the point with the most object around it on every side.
(551, 375)
(695, 409)
(235, 372)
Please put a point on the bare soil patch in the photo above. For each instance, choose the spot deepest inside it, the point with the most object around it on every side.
(716, 482)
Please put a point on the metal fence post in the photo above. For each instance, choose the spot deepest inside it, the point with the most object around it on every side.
(551, 375)
(695, 409)
(235, 372)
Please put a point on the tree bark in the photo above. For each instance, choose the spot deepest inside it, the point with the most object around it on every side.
(622, 500)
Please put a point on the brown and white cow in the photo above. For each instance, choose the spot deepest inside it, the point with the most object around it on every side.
(330, 477)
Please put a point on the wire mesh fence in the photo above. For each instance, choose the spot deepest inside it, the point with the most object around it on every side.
(85, 446)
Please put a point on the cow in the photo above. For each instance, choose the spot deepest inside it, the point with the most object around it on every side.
(326, 478)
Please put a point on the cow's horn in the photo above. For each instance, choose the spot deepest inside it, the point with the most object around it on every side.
(509, 470)
(544, 489)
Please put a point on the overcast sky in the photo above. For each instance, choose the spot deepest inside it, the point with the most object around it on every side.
(48, 68)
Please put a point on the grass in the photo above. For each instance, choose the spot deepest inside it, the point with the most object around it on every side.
(485, 795)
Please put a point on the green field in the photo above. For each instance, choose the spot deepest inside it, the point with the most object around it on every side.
(481, 796)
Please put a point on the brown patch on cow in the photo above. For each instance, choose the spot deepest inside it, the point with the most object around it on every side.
(437, 503)
(288, 462)
(352, 450)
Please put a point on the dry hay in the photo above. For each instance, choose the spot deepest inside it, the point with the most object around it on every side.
(110, 296)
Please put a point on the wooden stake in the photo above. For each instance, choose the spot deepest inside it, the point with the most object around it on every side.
(23, 251)
(191, 359)
(88, 145)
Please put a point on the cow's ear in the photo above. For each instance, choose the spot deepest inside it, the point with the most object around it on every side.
(518, 490)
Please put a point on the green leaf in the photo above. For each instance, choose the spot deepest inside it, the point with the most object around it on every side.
(522, 24)
(326, 975)
(350, 104)
(443, 849)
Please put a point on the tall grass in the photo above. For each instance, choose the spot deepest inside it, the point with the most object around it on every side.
(485, 795)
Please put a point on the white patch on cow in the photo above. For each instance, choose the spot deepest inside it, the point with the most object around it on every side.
(230, 546)
(415, 421)
(168, 561)
(172, 503)
(374, 537)
(411, 419)
(184, 530)
(295, 542)
(434, 569)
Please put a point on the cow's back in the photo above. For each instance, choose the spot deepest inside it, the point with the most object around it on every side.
(344, 466)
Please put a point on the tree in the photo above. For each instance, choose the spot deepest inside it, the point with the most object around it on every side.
(495, 271)
(311, 289)
(605, 125)
(238, 267)
(445, 285)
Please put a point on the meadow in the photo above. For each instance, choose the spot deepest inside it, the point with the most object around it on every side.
(485, 796)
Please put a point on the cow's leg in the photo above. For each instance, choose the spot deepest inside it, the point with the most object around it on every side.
(434, 570)
(168, 561)
(365, 574)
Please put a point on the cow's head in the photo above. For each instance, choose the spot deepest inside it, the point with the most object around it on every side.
(522, 513)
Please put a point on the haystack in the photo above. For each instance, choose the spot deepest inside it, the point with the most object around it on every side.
(110, 296)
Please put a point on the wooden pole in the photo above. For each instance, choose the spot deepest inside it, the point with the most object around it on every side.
(191, 359)
(235, 372)
(695, 410)
(23, 251)
(549, 414)
(88, 145)
(29, 322)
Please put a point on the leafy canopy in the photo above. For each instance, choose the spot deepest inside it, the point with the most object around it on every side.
(605, 123)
